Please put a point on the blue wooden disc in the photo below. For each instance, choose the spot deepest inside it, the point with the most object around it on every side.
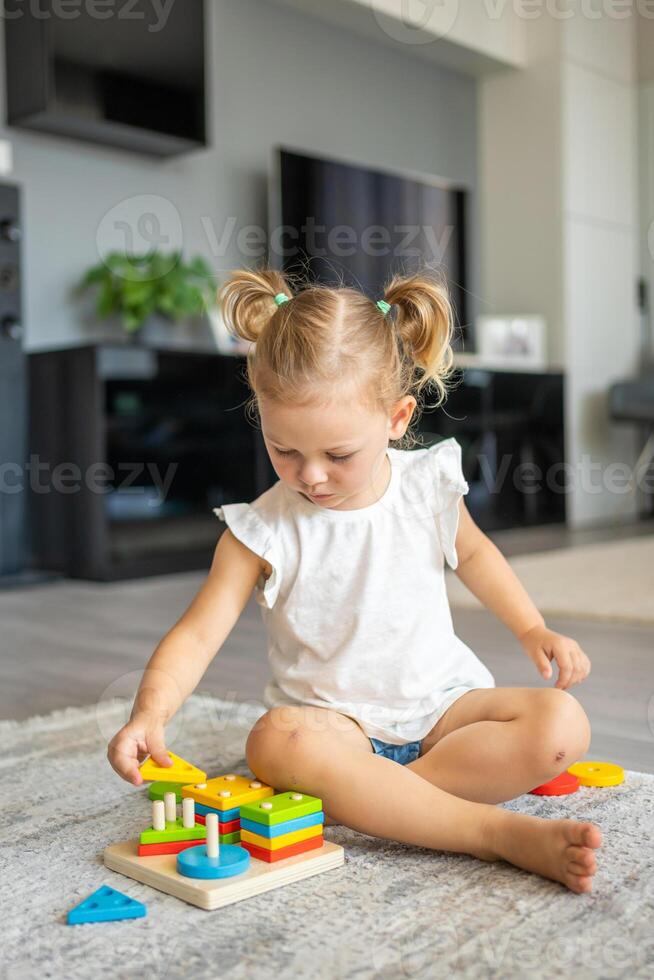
(194, 862)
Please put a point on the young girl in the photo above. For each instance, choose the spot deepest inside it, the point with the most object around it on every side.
(375, 706)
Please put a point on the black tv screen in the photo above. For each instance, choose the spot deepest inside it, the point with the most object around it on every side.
(334, 222)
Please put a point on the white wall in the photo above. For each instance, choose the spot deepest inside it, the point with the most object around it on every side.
(601, 262)
(558, 186)
(520, 188)
(275, 76)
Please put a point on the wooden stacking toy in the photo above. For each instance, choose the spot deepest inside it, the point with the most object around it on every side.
(281, 826)
(561, 785)
(588, 773)
(201, 858)
(169, 834)
(106, 905)
(156, 790)
(224, 795)
(593, 773)
(213, 859)
(181, 771)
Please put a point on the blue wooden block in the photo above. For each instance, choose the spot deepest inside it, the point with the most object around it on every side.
(224, 816)
(277, 829)
(106, 905)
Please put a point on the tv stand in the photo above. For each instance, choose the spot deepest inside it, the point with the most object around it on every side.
(136, 447)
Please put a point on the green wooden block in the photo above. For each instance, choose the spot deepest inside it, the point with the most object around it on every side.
(174, 832)
(234, 838)
(284, 807)
(156, 790)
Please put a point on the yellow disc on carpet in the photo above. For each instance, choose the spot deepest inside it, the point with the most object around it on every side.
(593, 773)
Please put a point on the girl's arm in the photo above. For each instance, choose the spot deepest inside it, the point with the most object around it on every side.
(182, 657)
(485, 571)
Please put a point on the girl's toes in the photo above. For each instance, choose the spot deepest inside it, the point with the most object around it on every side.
(579, 883)
(582, 869)
(582, 856)
(591, 835)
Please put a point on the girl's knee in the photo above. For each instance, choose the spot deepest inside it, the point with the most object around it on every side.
(561, 728)
(277, 740)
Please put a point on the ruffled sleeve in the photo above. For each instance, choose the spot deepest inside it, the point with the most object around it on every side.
(246, 525)
(451, 485)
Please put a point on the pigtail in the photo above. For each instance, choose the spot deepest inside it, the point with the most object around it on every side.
(424, 322)
(247, 301)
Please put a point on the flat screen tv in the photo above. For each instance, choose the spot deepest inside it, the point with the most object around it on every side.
(336, 222)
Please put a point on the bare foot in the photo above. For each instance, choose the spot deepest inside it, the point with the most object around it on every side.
(563, 850)
(328, 822)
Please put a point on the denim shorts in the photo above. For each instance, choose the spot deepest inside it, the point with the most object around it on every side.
(398, 753)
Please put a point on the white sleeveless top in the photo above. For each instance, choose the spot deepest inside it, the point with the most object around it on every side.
(356, 609)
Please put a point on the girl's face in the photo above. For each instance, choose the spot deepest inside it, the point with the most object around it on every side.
(335, 454)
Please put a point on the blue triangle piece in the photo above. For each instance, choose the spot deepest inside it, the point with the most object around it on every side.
(106, 905)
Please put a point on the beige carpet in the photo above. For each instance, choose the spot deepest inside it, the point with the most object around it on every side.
(612, 581)
(392, 912)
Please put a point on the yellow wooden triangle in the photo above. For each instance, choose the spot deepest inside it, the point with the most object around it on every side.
(181, 771)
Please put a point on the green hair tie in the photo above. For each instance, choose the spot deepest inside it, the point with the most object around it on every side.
(281, 298)
(383, 306)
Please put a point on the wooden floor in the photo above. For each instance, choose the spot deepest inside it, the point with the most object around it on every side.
(74, 643)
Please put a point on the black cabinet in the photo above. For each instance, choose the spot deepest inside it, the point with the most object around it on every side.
(131, 448)
(510, 425)
(129, 76)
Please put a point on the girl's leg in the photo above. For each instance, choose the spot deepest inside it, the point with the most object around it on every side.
(494, 744)
(325, 754)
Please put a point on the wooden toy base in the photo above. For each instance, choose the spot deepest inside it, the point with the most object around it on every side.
(160, 872)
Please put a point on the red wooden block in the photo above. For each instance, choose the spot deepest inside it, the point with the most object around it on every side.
(284, 852)
(565, 782)
(174, 847)
(229, 827)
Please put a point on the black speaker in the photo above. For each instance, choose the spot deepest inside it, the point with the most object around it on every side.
(13, 390)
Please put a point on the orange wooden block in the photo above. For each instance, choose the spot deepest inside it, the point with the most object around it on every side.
(173, 847)
(284, 852)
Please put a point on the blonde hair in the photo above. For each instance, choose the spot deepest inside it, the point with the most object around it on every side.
(327, 339)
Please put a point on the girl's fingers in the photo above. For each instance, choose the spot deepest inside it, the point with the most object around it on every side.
(124, 763)
(134, 776)
(158, 751)
(543, 665)
(564, 661)
(129, 748)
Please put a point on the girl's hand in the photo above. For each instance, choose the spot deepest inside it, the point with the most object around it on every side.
(544, 645)
(141, 736)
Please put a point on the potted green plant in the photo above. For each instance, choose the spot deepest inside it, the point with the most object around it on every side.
(137, 287)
